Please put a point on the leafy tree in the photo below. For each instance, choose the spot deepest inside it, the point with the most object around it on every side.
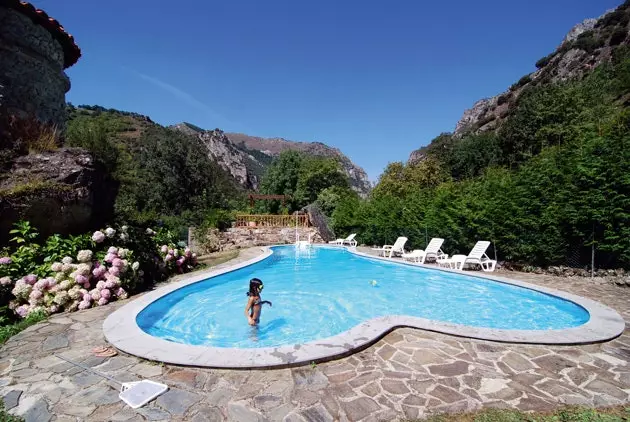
(302, 178)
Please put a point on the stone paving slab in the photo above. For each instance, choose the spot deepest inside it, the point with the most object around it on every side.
(407, 374)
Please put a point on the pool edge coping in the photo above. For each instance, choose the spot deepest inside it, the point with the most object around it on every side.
(122, 331)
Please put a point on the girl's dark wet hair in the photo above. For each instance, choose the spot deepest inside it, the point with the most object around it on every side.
(255, 285)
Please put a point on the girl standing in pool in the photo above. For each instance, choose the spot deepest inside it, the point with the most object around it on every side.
(254, 304)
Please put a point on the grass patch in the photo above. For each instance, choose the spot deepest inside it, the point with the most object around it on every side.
(35, 186)
(8, 331)
(5, 417)
(568, 414)
(218, 258)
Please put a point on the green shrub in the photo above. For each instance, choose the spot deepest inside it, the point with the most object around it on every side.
(8, 331)
(504, 98)
(545, 60)
(618, 36)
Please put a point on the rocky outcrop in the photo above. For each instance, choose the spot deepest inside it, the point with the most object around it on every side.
(63, 191)
(242, 166)
(587, 45)
(274, 146)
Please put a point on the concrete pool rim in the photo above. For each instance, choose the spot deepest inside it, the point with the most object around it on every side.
(122, 331)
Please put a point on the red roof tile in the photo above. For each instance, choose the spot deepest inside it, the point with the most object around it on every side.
(71, 51)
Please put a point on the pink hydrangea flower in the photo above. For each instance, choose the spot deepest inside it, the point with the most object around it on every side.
(36, 294)
(187, 252)
(170, 252)
(100, 285)
(56, 266)
(81, 279)
(22, 311)
(121, 293)
(168, 257)
(98, 272)
(164, 249)
(87, 285)
(87, 297)
(102, 301)
(117, 262)
(41, 284)
(5, 281)
(115, 271)
(84, 305)
(109, 257)
(112, 250)
(5, 260)
(181, 261)
(30, 279)
(109, 284)
(96, 294)
(51, 282)
(53, 309)
(98, 236)
(106, 293)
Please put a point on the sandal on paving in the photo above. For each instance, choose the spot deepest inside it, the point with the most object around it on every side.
(104, 352)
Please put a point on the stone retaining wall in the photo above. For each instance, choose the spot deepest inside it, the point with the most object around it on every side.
(246, 237)
(32, 79)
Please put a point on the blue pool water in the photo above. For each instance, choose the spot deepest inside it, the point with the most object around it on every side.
(320, 292)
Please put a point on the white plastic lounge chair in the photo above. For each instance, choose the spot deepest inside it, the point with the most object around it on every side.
(348, 240)
(478, 256)
(456, 262)
(433, 250)
(414, 256)
(398, 248)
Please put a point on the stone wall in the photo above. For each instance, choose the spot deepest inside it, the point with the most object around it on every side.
(246, 237)
(32, 79)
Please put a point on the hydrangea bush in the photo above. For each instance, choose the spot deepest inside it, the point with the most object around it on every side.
(120, 261)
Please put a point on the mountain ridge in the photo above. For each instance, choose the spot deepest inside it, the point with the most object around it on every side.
(587, 45)
(246, 157)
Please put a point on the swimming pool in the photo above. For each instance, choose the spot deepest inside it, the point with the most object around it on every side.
(326, 305)
(320, 292)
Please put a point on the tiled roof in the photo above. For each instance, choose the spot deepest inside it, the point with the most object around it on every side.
(71, 51)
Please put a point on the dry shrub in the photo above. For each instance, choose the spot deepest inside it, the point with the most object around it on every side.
(24, 135)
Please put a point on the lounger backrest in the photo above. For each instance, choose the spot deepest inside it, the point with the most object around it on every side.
(434, 245)
(351, 237)
(399, 244)
(479, 249)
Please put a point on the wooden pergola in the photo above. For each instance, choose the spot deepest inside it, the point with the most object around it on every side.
(255, 197)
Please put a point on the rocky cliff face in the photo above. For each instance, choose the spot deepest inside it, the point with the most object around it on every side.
(62, 191)
(274, 146)
(587, 45)
(245, 168)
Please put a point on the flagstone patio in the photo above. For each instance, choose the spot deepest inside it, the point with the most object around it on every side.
(407, 374)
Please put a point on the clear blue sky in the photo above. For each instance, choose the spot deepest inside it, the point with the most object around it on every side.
(376, 79)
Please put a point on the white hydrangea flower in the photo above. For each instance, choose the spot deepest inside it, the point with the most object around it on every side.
(84, 269)
(109, 232)
(61, 298)
(135, 266)
(84, 255)
(67, 260)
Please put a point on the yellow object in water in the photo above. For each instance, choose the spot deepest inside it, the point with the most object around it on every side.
(373, 282)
